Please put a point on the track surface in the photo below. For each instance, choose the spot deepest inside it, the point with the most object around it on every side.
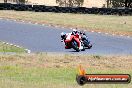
(40, 38)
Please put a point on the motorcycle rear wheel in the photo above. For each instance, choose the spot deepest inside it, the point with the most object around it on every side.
(87, 44)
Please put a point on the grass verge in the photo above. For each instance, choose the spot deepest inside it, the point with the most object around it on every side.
(10, 48)
(58, 70)
(104, 23)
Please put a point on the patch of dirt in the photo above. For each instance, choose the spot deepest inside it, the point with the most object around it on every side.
(72, 61)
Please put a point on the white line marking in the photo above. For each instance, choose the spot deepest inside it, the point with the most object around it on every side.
(11, 44)
(128, 36)
(29, 22)
(15, 45)
(18, 46)
(106, 33)
(36, 23)
(4, 43)
(7, 43)
(56, 26)
(43, 24)
(28, 51)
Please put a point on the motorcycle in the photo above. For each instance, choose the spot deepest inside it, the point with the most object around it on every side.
(71, 42)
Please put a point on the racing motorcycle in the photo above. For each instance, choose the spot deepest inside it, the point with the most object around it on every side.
(71, 42)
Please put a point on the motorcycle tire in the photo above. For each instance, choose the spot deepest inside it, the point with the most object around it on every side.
(75, 46)
(87, 44)
(90, 46)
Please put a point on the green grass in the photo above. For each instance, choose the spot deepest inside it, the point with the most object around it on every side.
(20, 77)
(103, 23)
(42, 70)
(10, 48)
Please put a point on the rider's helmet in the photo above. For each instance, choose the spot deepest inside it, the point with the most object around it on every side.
(63, 35)
(74, 31)
(82, 33)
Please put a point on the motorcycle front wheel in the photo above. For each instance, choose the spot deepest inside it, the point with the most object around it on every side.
(75, 46)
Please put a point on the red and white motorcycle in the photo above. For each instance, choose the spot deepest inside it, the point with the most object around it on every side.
(73, 41)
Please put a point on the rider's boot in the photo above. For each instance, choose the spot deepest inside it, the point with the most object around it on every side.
(81, 47)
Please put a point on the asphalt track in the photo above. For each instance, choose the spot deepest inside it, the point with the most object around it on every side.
(40, 38)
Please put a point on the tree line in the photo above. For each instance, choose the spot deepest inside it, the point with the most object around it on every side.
(119, 3)
(79, 3)
(17, 1)
(109, 3)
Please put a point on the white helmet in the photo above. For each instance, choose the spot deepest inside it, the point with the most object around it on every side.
(74, 30)
(63, 33)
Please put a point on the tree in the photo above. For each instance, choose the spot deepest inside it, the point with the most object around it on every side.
(5, 1)
(20, 1)
(70, 3)
(128, 3)
(109, 2)
(121, 3)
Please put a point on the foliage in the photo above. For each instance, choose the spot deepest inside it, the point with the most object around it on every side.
(70, 3)
(119, 3)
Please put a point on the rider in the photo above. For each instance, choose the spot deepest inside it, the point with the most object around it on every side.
(63, 36)
(67, 37)
(81, 35)
(76, 33)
